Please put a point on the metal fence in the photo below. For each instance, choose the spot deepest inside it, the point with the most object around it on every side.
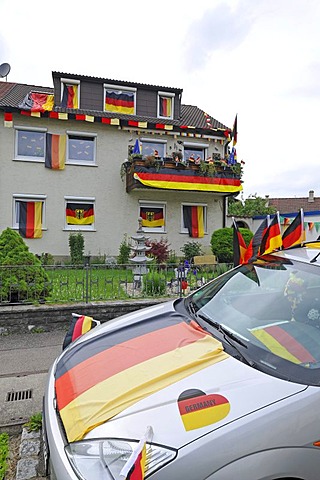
(29, 284)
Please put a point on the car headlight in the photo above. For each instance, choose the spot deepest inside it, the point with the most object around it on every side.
(106, 457)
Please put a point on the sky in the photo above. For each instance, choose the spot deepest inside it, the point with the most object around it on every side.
(257, 59)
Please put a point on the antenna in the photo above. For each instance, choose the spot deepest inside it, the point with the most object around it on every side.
(4, 70)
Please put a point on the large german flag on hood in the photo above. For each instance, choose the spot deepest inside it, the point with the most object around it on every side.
(101, 377)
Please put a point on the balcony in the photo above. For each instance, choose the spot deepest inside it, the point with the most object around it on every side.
(166, 173)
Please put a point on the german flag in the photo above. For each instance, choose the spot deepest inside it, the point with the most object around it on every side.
(239, 246)
(165, 107)
(253, 249)
(70, 96)
(188, 182)
(79, 326)
(103, 376)
(295, 233)
(152, 217)
(272, 239)
(79, 213)
(119, 101)
(285, 340)
(193, 220)
(135, 468)
(55, 151)
(198, 410)
(30, 219)
(38, 102)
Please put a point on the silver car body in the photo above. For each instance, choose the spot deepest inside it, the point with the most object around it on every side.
(269, 431)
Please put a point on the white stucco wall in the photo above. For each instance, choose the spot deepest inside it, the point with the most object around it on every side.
(116, 212)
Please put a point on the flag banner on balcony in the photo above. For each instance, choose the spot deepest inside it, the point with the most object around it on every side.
(92, 385)
(55, 151)
(152, 217)
(193, 220)
(70, 96)
(30, 219)
(189, 182)
(79, 213)
(119, 101)
(37, 102)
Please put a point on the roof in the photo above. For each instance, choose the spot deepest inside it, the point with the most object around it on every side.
(293, 205)
(12, 94)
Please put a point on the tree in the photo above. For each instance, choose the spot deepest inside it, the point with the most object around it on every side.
(222, 243)
(22, 275)
(252, 206)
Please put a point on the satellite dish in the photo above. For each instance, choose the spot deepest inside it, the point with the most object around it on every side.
(4, 69)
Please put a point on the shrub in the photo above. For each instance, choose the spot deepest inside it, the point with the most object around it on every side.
(222, 243)
(159, 250)
(22, 275)
(46, 259)
(154, 283)
(124, 251)
(4, 453)
(76, 246)
(190, 250)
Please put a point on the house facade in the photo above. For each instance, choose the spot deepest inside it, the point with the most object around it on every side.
(95, 155)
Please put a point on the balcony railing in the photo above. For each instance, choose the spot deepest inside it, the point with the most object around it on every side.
(165, 173)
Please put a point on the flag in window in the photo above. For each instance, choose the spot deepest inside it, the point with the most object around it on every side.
(165, 105)
(135, 467)
(30, 219)
(152, 217)
(295, 233)
(55, 151)
(272, 239)
(79, 213)
(239, 245)
(70, 96)
(193, 221)
(119, 101)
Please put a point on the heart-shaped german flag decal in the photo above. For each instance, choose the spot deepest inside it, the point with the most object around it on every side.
(199, 410)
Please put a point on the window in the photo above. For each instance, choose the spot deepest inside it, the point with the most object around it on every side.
(153, 147)
(153, 216)
(70, 93)
(79, 213)
(81, 149)
(194, 220)
(120, 99)
(165, 104)
(30, 144)
(29, 215)
(195, 152)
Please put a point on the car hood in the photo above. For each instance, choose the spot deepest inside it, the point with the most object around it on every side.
(154, 368)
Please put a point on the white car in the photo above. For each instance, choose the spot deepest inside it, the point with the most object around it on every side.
(221, 385)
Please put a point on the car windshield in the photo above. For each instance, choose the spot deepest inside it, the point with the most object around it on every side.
(272, 309)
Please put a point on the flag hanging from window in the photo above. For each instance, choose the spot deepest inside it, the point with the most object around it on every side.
(119, 101)
(272, 239)
(135, 468)
(30, 219)
(235, 131)
(239, 245)
(37, 102)
(165, 106)
(79, 213)
(253, 249)
(70, 96)
(295, 233)
(193, 221)
(152, 217)
(55, 151)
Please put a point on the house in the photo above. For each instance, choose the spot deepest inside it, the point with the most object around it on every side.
(288, 208)
(95, 155)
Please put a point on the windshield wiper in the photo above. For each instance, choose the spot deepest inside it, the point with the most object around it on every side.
(228, 336)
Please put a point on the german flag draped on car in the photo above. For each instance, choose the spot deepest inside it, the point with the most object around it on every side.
(104, 375)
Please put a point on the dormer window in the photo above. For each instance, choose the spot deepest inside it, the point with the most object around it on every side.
(120, 99)
(70, 93)
(165, 105)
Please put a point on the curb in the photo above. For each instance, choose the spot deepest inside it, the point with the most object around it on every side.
(30, 464)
